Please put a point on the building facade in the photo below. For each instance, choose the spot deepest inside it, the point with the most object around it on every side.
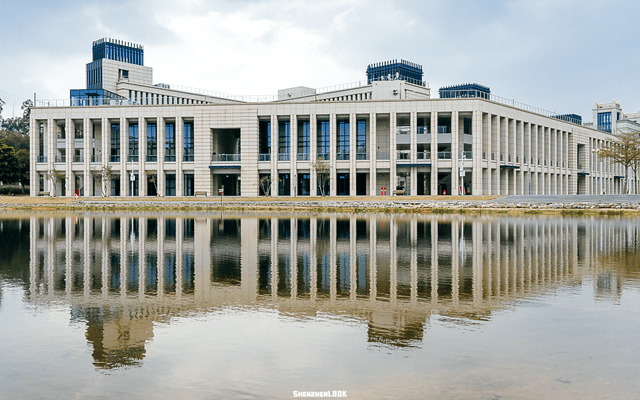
(376, 137)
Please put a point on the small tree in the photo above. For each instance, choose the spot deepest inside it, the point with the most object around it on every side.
(22, 157)
(53, 176)
(8, 164)
(153, 178)
(625, 150)
(105, 174)
(323, 169)
(265, 184)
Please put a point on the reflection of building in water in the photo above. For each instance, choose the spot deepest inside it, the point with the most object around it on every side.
(117, 337)
(391, 272)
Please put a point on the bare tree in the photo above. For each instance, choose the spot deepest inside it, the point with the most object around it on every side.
(153, 178)
(265, 184)
(105, 174)
(625, 150)
(323, 169)
(53, 176)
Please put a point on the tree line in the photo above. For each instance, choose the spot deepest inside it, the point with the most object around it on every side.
(14, 146)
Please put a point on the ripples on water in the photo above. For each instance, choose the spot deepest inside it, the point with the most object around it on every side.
(261, 305)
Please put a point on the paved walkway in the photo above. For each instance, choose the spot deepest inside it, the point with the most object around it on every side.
(581, 198)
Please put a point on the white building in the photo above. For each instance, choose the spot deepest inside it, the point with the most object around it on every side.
(375, 135)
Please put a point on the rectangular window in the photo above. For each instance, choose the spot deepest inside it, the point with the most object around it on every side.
(284, 137)
(115, 143)
(152, 143)
(342, 148)
(304, 137)
(188, 185)
(361, 126)
(324, 140)
(604, 122)
(188, 141)
(170, 185)
(265, 137)
(133, 143)
(169, 143)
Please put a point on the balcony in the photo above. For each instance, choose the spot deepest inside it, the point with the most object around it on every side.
(225, 157)
(444, 129)
(96, 158)
(42, 159)
(403, 155)
(423, 130)
(78, 158)
(423, 155)
(304, 156)
(283, 157)
(444, 155)
(61, 159)
(264, 157)
(403, 130)
(468, 155)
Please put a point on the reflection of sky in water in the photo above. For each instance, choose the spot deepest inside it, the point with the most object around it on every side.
(534, 307)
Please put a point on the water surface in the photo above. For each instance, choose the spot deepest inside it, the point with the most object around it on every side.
(261, 305)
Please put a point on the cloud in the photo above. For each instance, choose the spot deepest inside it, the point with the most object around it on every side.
(559, 55)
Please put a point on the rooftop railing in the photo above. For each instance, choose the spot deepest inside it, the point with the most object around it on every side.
(468, 93)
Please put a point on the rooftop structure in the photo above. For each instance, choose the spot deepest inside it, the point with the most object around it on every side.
(464, 90)
(118, 50)
(395, 70)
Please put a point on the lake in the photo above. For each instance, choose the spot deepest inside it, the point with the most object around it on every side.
(253, 306)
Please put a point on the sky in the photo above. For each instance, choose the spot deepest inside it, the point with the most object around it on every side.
(558, 55)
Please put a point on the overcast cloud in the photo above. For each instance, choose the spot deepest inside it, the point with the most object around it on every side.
(560, 55)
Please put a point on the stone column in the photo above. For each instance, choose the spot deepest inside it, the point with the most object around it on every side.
(70, 134)
(373, 156)
(161, 179)
(124, 157)
(88, 151)
(393, 156)
(455, 153)
(332, 152)
(293, 154)
(434, 153)
(413, 177)
(353, 150)
(313, 132)
(274, 156)
(179, 130)
(142, 156)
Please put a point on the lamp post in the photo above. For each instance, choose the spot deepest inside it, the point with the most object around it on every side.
(597, 153)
